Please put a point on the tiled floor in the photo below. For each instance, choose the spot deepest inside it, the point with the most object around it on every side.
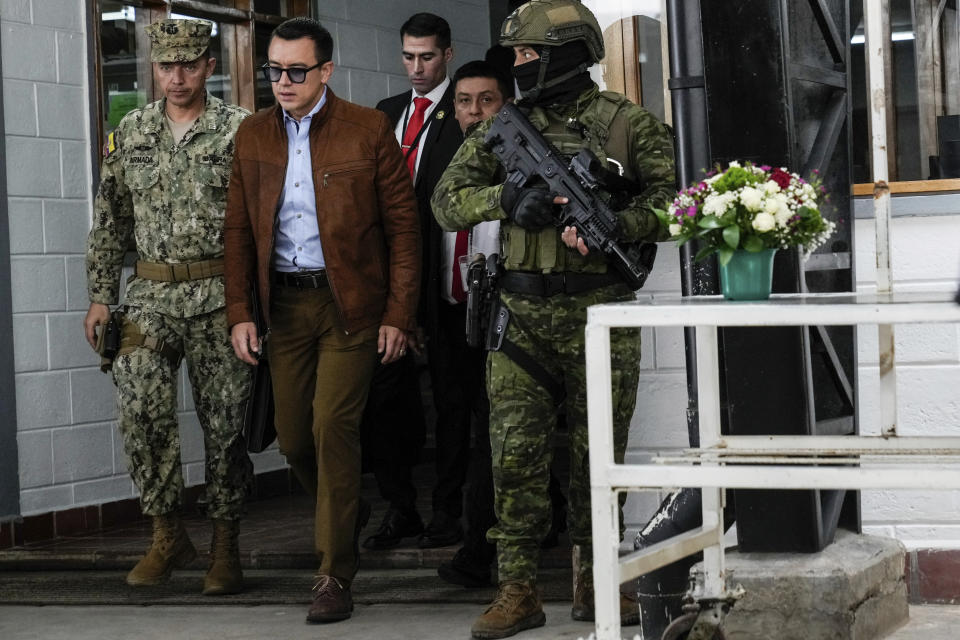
(275, 533)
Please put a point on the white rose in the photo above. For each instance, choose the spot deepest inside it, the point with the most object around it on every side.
(734, 163)
(751, 198)
(770, 205)
(764, 222)
(771, 187)
(674, 229)
(783, 215)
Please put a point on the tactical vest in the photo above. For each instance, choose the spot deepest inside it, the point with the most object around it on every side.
(604, 129)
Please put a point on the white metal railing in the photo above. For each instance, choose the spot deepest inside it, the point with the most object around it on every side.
(742, 462)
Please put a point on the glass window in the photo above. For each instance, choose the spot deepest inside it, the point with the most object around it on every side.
(240, 36)
(923, 100)
(634, 56)
(126, 78)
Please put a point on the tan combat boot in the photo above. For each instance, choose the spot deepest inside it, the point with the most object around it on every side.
(583, 599)
(224, 576)
(171, 548)
(516, 607)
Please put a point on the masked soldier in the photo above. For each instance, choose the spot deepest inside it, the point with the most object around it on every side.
(550, 277)
(164, 184)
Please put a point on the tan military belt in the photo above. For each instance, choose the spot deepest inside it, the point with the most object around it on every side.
(165, 272)
(132, 340)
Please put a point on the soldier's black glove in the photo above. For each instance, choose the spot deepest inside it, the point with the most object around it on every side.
(529, 207)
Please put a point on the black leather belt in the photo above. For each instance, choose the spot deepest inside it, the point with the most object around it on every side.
(550, 284)
(301, 279)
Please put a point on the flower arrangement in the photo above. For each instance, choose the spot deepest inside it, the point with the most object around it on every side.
(748, 207)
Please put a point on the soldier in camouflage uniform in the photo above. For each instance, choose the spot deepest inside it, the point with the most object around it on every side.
(549, 280)
(164, 184)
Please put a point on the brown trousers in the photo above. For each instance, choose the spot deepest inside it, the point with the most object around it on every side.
(321, 376)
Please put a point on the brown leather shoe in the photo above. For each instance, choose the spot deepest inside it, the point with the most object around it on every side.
(516, 607)
(331, 600)
(583, 599)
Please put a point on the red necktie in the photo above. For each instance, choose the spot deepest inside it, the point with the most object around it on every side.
(410, 135)
(459, 249)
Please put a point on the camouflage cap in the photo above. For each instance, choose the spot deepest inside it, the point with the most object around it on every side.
(178, 40)
(553, 23)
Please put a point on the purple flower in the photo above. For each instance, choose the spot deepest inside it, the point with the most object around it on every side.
(765, 167)
(691, 211)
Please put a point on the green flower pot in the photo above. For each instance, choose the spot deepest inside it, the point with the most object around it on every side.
(748, 275)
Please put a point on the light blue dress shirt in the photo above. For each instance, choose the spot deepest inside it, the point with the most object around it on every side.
(297, 241)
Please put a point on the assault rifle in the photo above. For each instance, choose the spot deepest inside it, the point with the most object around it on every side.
(525, 154)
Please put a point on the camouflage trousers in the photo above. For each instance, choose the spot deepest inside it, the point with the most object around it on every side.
(523, 419)
(147, 399)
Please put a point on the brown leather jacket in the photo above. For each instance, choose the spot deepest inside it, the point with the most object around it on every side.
(366, 211)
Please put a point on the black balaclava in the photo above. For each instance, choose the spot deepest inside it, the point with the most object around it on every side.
(559, 76)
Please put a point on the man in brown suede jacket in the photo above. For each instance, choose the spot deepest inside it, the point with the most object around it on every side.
(322, 219)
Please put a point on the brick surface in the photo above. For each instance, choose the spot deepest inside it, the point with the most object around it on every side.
(366, 87)
(120, 512)
(357, 46)
(25, 42)
(45, 500)
(119, 454)
(29, 342)
(68, 346)
(26, 225)
(77, 299)
(38, 284)
(63, 14)
(92, 396)
(74, 160)
(43, 400)
(103, 490)
(65, 223)
(33, 166)
(37, 528)
(16, 11)
(388, 48)
(79, 520)
(19, 108)
(937, 576)
(331, 10)
(35, 458)
(81, 453)
(61, 109)
(191, 438)
(71, 57)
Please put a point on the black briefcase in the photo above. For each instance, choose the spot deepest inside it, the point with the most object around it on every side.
(259, 428)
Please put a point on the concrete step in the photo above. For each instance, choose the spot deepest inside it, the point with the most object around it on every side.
(110, 557)
(262, 586)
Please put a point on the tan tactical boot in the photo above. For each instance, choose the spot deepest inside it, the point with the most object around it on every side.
(224, 576)
(516, 607)
(583, 602)
(171, 548)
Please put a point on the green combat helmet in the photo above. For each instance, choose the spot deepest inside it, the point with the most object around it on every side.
(553, 23)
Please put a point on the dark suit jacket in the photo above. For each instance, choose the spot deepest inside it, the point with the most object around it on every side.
(437, 148)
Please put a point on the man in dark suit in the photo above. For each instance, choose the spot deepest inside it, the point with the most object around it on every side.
(429, 136)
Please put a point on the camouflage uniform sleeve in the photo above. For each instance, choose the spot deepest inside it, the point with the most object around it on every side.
(112, 229)
(469, 189)
(651, 152)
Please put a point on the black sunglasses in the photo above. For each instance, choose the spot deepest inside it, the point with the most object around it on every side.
(296, 74)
